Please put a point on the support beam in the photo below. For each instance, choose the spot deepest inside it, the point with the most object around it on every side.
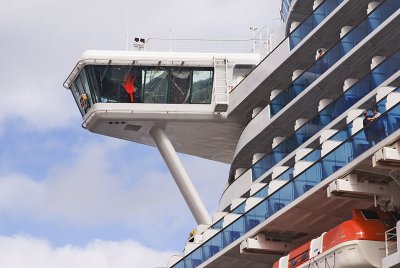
(180, 176)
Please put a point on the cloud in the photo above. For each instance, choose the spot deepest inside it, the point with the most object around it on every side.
(26, 251)
(112, 184)
(18, 194)
(91, 188)
(38, 105)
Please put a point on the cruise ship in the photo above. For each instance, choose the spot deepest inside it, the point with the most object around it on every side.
(307, 116)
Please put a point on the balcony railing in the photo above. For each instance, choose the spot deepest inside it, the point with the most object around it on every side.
(312, 21)
(356, 92)
(293, 187)
(391, 241)
(334, 54)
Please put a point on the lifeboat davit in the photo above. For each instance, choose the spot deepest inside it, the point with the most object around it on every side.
(355, 243)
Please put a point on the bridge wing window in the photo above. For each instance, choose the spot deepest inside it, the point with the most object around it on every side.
(155, 86)
(81, 92)
(109, 82)
(142, 84)
(180, 86)
(115, 83)
(202, 86)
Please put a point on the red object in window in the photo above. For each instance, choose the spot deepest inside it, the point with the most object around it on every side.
(130, 87)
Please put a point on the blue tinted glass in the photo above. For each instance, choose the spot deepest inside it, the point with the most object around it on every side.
(330, 163)
(327, 115)
(319, 14)
(239, 209)
(330, 57)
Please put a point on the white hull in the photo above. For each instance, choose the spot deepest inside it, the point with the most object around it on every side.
(351, 254)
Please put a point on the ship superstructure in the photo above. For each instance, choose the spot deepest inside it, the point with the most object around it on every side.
(311, 131)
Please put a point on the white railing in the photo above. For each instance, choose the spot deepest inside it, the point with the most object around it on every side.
(391, 241)
(198, 45)
(260, 42)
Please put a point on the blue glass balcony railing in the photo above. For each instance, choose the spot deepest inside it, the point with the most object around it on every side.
(334, 54)
(285, 5)
(340, 136)
(343, 154)
(312, 21)
(356, 92)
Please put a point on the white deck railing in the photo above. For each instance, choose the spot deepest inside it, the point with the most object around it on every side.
(198, 45)
(391, 241)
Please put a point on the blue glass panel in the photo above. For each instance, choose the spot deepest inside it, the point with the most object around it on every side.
(314, 155)
(212, 246)
(257, 215)
(194, 259)
(263, 165)
(233, 231)
(294, 188)
(331, 57)
(342, 134)
(287, 175)
(218, 224)
(327, 115)
(285, 8)
(283, 197)
(312, 21)
(262, 193)
(239, 209)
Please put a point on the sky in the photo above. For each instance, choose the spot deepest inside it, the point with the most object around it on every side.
(71, 198)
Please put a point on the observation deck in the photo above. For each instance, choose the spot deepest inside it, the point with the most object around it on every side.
(125, 93)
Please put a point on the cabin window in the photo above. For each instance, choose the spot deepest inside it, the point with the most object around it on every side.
(142, 84)
(155, 86)
(180, 86)
(299, 259)
(370, 215)
(202, 86)
(304, 256)
(81, 91)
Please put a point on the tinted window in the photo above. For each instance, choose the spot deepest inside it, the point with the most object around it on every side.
(143, 84)
(202, 87)
(370, 215)
(155, 86)
(180, 86)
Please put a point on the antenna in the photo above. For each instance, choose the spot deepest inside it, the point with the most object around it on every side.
(170, 39)
(253, 29)
(126, 24)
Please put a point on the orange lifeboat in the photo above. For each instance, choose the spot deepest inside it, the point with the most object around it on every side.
(355, 243)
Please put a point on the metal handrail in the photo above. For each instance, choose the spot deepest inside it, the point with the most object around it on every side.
(391, 241)
(198, 45)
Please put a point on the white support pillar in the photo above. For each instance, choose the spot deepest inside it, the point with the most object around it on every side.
(180, 176)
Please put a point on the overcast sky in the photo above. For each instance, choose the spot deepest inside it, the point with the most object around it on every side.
(71, 198)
